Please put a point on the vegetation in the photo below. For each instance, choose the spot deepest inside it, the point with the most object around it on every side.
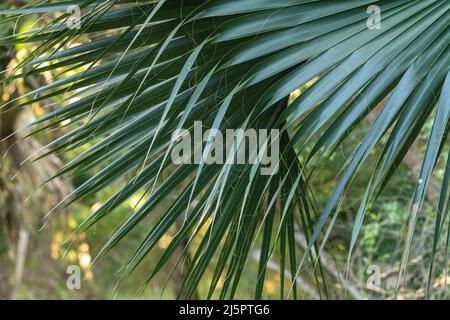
(363, 114)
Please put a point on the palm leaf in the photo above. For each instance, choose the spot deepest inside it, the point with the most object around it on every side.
(233, 64)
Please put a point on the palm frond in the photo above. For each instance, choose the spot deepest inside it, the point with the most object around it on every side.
(147, 68)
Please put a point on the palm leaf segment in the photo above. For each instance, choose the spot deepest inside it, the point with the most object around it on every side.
(233, 64)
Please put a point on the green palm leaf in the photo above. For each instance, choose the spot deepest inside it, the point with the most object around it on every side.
(152, 67)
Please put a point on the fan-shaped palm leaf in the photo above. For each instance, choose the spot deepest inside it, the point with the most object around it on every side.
(156, 66)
